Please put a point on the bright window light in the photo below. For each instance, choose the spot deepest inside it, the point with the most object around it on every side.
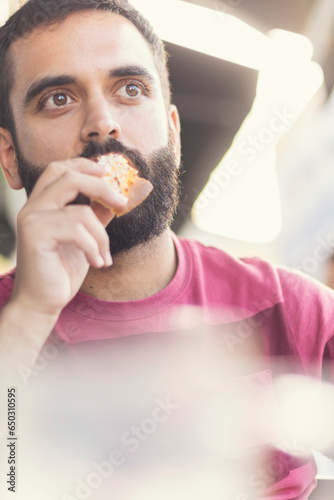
(4, 12)
(241, 199)
(206, 30)
(219, 34)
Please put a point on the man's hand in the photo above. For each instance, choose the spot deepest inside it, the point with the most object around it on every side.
(58, 242)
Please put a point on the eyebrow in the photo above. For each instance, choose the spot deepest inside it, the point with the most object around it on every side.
(131, 71)
(40, 86)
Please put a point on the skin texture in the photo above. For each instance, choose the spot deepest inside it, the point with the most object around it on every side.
(71, 251)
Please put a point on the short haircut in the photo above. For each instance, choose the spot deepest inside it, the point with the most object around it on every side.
(39, 13)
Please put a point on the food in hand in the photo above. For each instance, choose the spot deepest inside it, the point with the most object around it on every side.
(124, 179)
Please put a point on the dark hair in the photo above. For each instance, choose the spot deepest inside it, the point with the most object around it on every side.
(36, 13)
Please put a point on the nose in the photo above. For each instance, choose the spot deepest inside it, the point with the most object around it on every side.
(100, 122)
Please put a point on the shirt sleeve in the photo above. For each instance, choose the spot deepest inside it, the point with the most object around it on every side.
(309, 317)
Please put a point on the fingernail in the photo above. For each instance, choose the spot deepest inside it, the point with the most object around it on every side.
(100, 261)
(108, 260)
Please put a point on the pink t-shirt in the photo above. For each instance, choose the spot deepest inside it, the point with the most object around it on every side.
(241, 308)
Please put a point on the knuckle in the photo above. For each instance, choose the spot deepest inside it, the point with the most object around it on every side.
(77, 228)
(68, 175)
(86, 211)
(79, 213)
(55, 167)
(27, 223)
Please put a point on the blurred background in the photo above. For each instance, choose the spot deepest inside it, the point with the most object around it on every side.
(274, 197)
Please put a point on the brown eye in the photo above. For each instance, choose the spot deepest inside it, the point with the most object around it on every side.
(56, 101)
(132, 90)
(60, 99)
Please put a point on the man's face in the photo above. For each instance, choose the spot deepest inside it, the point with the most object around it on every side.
(93, 79)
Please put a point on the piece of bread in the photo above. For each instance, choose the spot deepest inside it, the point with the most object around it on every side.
(124, 179)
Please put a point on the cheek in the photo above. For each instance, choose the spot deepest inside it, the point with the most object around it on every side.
(148, 133)
(44, 143)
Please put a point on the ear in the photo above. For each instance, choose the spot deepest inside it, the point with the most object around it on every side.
(175, 128)
(8, 159)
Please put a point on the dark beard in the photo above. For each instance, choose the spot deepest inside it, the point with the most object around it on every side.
(152, 217)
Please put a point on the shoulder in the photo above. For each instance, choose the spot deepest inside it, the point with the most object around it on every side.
(307, 299)
(240, 279)
(256, 284)
(258, 271)
(217, 258)
(296, 311)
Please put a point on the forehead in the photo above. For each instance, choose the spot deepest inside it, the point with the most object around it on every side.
(85, 42)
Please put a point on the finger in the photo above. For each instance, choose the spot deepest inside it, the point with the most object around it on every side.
(79, 236)
(83, 214)
(55, 229)
(67, 187)
(56, 169)
(65, 231)
(57, 226)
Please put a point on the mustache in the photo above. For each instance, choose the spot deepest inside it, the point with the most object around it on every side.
(94, 149)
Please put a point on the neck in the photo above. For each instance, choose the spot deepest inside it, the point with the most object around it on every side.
(136, 273)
